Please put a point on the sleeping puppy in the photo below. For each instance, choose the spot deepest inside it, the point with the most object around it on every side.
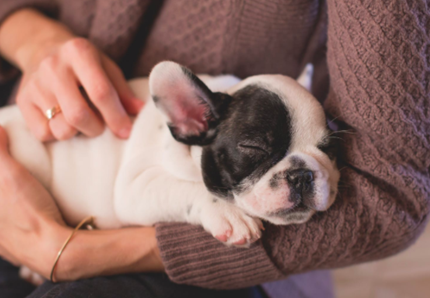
(212, 151)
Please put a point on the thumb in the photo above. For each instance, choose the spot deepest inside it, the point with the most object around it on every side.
(131, 103)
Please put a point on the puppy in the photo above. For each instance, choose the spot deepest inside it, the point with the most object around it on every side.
(212, 151)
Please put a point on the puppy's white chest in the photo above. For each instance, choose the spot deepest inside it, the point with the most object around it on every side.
(88, 175)
(98, 176)
(86, 172)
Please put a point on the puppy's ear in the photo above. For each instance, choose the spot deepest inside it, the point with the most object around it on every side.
(190, 108)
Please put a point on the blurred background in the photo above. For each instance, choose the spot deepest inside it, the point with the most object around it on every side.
(406, 275)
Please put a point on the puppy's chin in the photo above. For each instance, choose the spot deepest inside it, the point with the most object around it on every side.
(293, 217)
(296, 215)
(274, 205)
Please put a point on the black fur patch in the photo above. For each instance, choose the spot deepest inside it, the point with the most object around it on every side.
(297, 162)
(254, 134)
(274, 181)
(330, 145)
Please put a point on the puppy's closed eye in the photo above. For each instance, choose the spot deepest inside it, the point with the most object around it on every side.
(252, 148)
(330, 146)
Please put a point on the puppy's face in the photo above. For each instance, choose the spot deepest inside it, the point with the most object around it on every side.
(266, 146)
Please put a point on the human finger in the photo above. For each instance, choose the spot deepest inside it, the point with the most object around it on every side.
(28, 94)
(36, 121)
(91, 75)
(60, 129)
(74, 108)
(131, 103)
(4, 141)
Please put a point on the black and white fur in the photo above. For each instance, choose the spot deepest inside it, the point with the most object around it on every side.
(213, 151)
(263, 145)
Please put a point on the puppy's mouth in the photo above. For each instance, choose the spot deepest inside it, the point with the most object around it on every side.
(298, 208)
(296, 215)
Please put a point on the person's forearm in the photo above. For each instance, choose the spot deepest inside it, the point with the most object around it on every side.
(377, 89)
(102, 252)
(26, 36)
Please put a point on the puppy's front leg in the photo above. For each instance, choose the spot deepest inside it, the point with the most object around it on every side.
(156, 196)
(225, 221)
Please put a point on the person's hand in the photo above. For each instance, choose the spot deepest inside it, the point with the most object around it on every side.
(55, 80)
(32, 232)
(26, 213)
(56, 66)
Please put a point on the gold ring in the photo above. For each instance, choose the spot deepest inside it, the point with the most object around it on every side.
(52, 112)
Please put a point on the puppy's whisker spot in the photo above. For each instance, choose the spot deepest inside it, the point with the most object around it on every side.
(334, 119)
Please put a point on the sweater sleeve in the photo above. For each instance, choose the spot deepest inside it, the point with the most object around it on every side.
(379, 65)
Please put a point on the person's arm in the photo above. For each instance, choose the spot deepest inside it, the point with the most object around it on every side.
(93, 253)
(55, 65)
(32, 233)
(380, 92)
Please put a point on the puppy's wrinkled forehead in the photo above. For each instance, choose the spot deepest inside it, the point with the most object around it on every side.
(307, 124)
(257, 114)
(253, 135)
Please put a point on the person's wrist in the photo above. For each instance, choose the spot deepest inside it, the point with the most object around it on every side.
(47, 242)
(153, 260)
(54, 238)
(109, 252)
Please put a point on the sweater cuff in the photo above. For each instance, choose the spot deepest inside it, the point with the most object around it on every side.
(192, 256)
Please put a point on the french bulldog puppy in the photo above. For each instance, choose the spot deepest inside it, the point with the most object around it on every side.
(212, 151)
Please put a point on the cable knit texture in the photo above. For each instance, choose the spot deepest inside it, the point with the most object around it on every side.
(378, 57)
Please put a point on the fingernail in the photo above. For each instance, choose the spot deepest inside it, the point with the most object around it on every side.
(139, 103)
(125, 132)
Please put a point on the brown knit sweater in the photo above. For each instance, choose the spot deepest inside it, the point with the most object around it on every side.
(378, 57)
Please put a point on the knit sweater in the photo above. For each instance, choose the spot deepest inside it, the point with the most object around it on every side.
(378, 58)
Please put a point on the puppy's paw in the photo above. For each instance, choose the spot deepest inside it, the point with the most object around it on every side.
(231, 225)
(31, 276)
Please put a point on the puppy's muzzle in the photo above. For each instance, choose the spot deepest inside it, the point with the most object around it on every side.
(301, 181)
(301, 184)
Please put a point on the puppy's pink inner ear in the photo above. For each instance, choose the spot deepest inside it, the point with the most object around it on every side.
(182, 98)
(187, 114)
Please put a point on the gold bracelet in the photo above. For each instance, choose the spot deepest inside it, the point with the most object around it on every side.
(88, 220)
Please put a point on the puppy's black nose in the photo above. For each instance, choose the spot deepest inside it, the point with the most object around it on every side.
(301, 180)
